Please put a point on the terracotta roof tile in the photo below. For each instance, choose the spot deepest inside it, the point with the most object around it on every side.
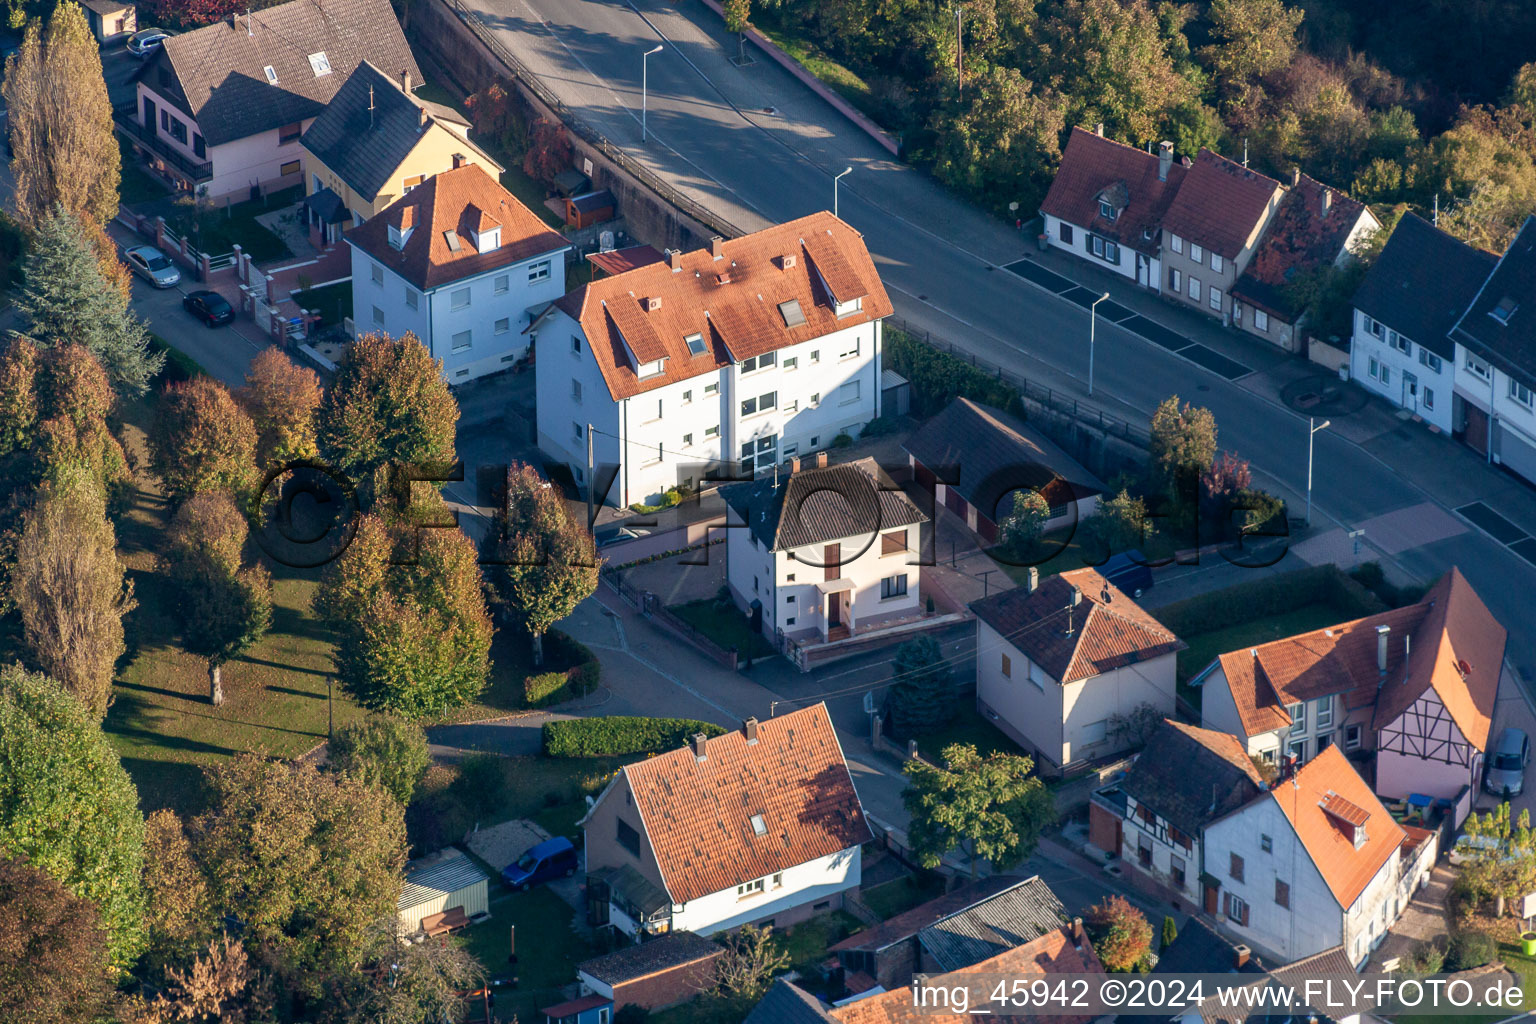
(1345, 867)
(1092, 165)
(1050, 954)
(1221, 204)
(1109, 630)
(459, 201)
(742, 315)
(1301, 236)
(619, 261)
(698, 813)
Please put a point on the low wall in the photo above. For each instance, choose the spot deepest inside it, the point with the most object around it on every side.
(1324, 354)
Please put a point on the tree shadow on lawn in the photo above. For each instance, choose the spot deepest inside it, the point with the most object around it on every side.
(176, 785)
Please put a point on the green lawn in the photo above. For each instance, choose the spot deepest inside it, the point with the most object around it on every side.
(891, 898)
(1205, 647)
(839, 77)
(968, 726)
(1063, 551)
(225, 226)
(137, 184)
(548, 949)
(807, 942)
(334, 302)
(724, 624)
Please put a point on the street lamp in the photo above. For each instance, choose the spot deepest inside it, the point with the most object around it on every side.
(1093, 318)
(846, 170)
(1312, 428)
(645, 85)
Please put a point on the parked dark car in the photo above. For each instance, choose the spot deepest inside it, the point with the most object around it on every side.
(1129, 572)
(209, 307)
(553, 858)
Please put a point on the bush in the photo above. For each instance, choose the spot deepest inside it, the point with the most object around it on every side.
(1468, 950)
(539, 689)
(178, 365)
(620, 735)
(1273, 595)
(382, 751)
(482, 783)
(842, 441)
(1370, 576)
(881, 426)
(632, 1013)
(580, 676)
(938, 378)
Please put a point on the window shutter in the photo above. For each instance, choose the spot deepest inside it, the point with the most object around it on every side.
(1245, 915)
(1226, 903)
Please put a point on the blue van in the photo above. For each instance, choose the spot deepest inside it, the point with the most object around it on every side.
(553, 858)
(1129, 572)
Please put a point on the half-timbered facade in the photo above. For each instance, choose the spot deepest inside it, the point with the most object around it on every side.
(1417, 683)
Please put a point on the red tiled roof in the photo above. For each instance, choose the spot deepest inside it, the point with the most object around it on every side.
(1349, 813)
(618, 261)
(1300, 236)
(460, 200)
(1330, 778)
(1448, 626)
(698, 813)
(1090, 165)
(738, 318)
(1109, 630)
(1221, 204)
(1052, 953)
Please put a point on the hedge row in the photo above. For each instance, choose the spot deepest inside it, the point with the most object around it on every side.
(618, 735)
(579, 677)
(1272, 595)
(938, 378)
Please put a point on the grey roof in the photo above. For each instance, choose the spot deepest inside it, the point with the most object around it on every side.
(365, 148)
(635, 889)
(1010, 919)
(1200, 950)
(996, 454)
(889, 378)
(106, 6)
(1192, 776)
(815, 506)
(908, 923)
(637, 961)
(1294, 975)
(786, 1003)
(1422, 282)
(435, 876)
(219, 69)
(1509, 344)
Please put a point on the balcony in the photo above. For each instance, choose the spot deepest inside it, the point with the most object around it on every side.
(126, 120)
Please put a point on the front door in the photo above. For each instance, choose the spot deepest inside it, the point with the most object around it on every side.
(1410, 391)
(1141, 270)
(149, 115)
(834, 610)
(1476, 432)
(1210, 899)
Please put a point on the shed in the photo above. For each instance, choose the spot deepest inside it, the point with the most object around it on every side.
(656, 973)
(895, 394)
(590, 1009)
(111, 21)
(442, 882)
(592, 208)
(571, 182)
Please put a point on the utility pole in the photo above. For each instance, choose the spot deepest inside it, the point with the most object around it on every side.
(835, 180)
(645, 67)
(591, 480)
(1093, 319)
(1312, 428)
(959, 50)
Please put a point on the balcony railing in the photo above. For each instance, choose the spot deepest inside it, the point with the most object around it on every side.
(126, 118)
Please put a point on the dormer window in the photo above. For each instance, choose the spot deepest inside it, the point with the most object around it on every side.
(396, 238)
(320, 64)
(651, 368)
(695, 343)
(488, 239)
(1106, 210)
(271, 74)
(1504, 310)
(848, 308)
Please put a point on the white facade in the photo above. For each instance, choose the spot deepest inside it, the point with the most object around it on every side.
(1161, 850)
(811, 882)
(801, 594)
(1102, 252)
(1512, 425)
(1071, 722)
(1401, 370)
(1313, 921)
(265, 158)
(475, 325)
(676, 433)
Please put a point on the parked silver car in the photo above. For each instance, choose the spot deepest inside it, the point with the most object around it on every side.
(146, 42)
(1505, 773)
(153, 266)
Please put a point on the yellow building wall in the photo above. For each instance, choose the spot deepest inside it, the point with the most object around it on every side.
(433, 154)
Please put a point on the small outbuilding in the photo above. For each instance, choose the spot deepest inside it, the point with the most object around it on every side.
(439, 885)
(111, 21)
(654, 974)
(592, 208)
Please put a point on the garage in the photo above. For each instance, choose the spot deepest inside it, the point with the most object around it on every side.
(443, 882)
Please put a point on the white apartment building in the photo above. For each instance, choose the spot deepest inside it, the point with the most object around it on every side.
(715, 364)
(461, 264)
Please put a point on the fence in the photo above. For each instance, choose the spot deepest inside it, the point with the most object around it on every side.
(1048, 398)
(535, 85)
(649, 605)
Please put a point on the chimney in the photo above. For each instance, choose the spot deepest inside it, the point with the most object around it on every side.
(794, 465)
(653, 303)
(458, 160)
(717, 248)
(749, 729)
(234, 19)
(1382, 633)
(1034, 579)
(1295, 176)
(787, 261)
(1327, 200)
(675, 259)
(405, 81)
(1098, 129)
(1240, 954)
(1164, 160)
(697, 741)
(821, 460)
(1077, 932)
(423, 117)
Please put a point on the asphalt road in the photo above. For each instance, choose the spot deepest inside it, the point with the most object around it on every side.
(941, 260)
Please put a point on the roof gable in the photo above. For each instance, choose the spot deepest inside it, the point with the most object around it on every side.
(1422, 281)
(734, 300)
(1093, 167)
(820, 505)
(455, 201)
(1191, 776)
(697, 812)
(1500, 323)
(1221, 204)
(1106, 631)
(1013, 917)
(221, 67)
